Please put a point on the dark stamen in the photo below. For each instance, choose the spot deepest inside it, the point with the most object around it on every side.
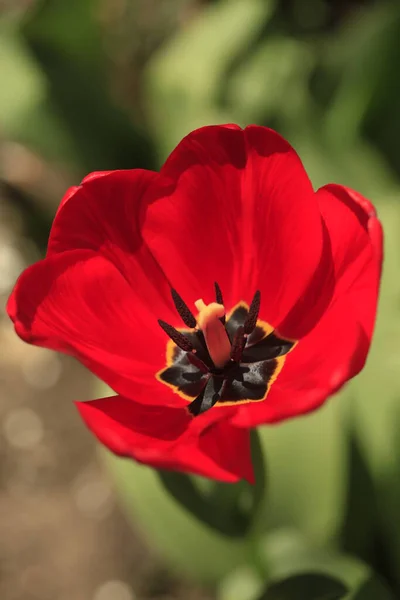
(208, 397)
(197, 362)
(184, 311)
(219, 299)
(218, 294)
(176, 336)
(238, 345)
(251, 320)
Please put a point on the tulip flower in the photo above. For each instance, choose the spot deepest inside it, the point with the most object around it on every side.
(216, 295)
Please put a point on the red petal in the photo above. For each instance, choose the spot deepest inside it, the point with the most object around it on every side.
(102, 215)
(169, 438)
(236, 207)
(365, 212)
(78, 302)
(357, 252)
(336, 349)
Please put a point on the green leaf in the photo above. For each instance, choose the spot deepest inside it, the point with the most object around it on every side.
(362, 53)
(228, 521)
(243, 583)
(307, 586)
(187, 546)
(66, 42)
(220, 507)
(361, 518)
(373, 589)
(305, 478)
(286, 553)
(376, 394)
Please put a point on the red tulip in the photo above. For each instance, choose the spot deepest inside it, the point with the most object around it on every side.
(128, 287)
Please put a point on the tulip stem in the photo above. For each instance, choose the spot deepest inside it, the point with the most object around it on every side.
(259, 466)
(258, 499)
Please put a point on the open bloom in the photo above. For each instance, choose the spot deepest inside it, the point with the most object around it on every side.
(217, 295)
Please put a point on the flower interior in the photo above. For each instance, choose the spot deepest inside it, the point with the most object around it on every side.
(220, 359)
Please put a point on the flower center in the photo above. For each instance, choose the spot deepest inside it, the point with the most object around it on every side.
(216, 338)
(222, 360)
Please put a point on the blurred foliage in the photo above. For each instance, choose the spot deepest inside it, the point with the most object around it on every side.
(303, 586)
(91, 85)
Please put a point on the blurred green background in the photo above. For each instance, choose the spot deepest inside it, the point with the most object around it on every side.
(103, 84)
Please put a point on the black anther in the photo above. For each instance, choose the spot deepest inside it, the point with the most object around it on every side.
(251, 320)
(184, 311)
(219, 299)
(238, 345)
(176, 336)
(197, 362)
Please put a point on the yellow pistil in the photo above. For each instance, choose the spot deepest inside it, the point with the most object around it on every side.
(208, 321)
